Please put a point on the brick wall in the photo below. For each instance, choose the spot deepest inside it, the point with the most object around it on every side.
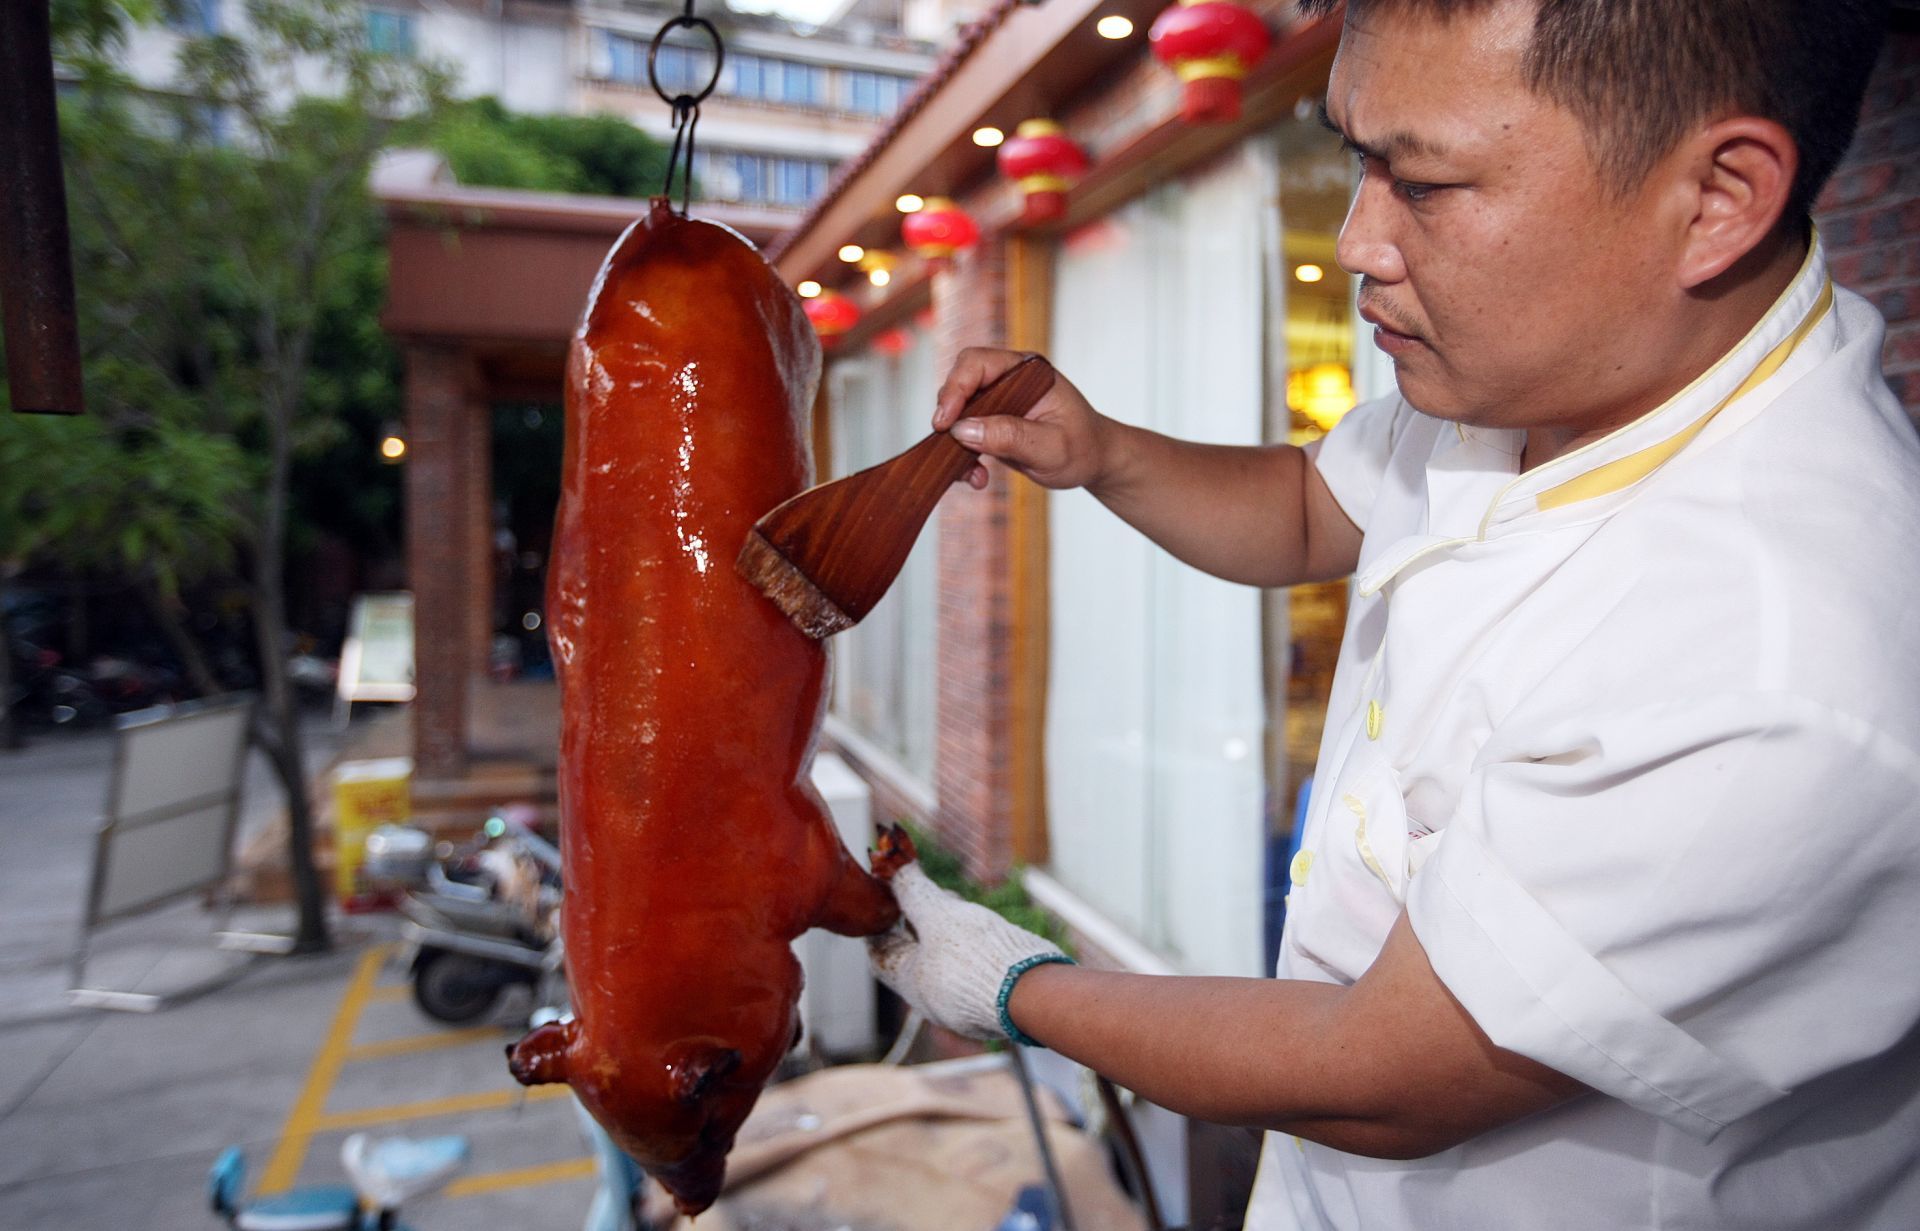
(1869, 215)
(440, 422)
(971, 774)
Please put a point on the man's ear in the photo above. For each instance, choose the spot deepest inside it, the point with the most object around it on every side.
(1739, 173)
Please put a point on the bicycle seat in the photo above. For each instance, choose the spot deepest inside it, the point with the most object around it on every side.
(394, 1170)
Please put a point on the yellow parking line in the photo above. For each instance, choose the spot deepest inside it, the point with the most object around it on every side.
(305, 1115)
(485, 1100)
(523, 1177)
(425, 1042)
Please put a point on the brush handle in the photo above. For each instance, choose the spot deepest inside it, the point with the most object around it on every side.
(1014, 392)
(826, 556)
(925, 472)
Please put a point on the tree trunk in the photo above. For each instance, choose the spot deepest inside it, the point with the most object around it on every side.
(281, 719)
(279, 738)
(162, 610)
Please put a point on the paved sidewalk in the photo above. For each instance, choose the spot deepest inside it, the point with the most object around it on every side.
(110, 1120)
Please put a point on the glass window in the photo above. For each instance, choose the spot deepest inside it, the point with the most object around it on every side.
(804, 85)
(390, 34)
(885, 684)
(1156, 718)
(745, 77)
(752, 176)
(623, 58)
(790, 182)
(866, 93)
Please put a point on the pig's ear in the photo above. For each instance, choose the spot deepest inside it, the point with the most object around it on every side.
(696, 1066)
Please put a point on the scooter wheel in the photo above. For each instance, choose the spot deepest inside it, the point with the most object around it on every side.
(454, 987)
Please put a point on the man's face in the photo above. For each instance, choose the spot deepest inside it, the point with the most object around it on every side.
(1508, 284)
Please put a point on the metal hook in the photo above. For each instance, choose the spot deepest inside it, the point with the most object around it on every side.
(686, 106)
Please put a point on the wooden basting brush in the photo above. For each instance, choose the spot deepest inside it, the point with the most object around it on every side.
(826, 556)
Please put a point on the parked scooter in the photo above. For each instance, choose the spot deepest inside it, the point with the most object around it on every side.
(486, 919)
(384, 1174)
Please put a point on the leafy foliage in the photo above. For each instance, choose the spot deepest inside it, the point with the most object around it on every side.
(1008, 899)
(484, 143)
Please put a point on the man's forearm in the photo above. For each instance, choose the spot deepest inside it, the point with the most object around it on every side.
(1390, 1067)
(1246, 513)
(1231, 1051)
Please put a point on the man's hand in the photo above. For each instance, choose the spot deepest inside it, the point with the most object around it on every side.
(1058, 443)
(950, 958)
(1255, 514)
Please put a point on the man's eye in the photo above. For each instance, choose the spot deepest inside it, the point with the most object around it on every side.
(1415, 192)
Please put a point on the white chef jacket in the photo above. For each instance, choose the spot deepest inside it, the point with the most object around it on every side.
(1634, 738)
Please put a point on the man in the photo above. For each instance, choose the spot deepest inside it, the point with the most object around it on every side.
(1601, 915)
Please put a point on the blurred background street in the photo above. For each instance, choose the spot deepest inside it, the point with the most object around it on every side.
(111, 1120)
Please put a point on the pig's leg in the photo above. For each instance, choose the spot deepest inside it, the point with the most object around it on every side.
(541, 1056)
(855, 903)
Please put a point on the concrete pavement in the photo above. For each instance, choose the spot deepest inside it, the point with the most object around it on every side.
(110, 1120)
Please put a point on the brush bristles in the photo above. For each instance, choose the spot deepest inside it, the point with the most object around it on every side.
(812, 612)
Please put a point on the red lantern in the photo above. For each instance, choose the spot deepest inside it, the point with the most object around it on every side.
(1046, 163)
(894, 341)
(937, 230)
(831, 312)
(1211, 44)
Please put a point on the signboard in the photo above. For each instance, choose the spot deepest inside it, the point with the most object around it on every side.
(376, 664)
(366, 795)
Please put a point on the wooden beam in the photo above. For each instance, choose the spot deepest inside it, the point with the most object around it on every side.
(1029, 327)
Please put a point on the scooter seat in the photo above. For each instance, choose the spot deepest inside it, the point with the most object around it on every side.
(394, 1170)
(328, 1207)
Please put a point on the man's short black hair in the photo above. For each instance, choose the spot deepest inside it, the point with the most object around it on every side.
(1639, 73)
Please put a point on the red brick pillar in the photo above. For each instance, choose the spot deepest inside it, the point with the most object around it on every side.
(972, 771)
(480, 568)
(439, 419)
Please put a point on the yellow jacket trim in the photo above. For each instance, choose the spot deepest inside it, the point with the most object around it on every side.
(1634, 467)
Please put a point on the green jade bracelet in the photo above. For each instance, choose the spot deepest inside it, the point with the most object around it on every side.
(1006, 993)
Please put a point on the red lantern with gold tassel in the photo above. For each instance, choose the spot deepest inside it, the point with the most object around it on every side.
(1046, 163)
(937, 230)
(1211, 44)
(832, 313)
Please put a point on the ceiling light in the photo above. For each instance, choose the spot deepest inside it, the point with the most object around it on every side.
(1309, 273)
(908, 203)
(1114, 26)
(988, 136)
(879, 277)
(809, 289)
(851, 253)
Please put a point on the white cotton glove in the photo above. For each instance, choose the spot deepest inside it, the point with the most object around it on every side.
(954, 960)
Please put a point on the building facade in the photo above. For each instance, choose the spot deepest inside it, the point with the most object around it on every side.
(791, 101)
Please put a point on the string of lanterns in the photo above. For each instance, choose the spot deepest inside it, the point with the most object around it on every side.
(1211, 45)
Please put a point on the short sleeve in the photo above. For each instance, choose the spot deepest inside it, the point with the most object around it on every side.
(1353, 457)
(1671, 904)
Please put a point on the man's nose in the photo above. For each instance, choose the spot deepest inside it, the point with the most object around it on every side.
(1367, 247)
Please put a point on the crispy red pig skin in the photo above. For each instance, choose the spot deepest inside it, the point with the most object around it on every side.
(696, 847)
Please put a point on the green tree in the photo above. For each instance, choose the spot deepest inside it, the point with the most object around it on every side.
(218, 231)
(485, 144)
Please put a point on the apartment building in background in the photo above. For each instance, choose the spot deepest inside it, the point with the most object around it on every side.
(792, 101)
